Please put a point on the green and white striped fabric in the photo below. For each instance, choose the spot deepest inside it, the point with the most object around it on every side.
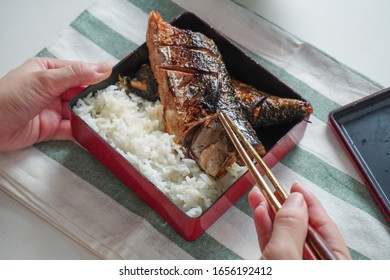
(70, 189)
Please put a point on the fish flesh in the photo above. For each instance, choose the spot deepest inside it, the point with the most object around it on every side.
(194, 86)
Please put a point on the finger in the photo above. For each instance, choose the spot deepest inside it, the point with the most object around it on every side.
(66, 96)
(64, 131)
(52, 127)
(289, 230)
(255, 197)
(262, 216)
(72, 92)
(80, 73)
(65, 111)
(56, 81)
(44, 63)
(54, 63)
(263, 224)
(321, 221)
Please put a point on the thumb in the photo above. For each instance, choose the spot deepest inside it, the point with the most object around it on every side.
(59, 80)
(289, 230)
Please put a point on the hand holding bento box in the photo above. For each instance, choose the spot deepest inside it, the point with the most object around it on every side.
(33, 99)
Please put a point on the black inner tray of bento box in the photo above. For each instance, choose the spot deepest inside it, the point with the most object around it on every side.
(239, 65)
(364, 129)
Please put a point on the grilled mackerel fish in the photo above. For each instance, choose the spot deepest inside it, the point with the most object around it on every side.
(193, 86)
(260, 108)
(263, 109)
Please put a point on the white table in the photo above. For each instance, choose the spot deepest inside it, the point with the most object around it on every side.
(353, 32)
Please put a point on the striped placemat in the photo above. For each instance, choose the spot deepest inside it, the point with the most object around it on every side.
(70, 189)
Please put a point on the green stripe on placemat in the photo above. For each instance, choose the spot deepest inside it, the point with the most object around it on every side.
(82, 163)
(356, 255)
(243, 205)
(45, 53)
(103, 35)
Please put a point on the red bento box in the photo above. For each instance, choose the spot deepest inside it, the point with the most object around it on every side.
(278, 140)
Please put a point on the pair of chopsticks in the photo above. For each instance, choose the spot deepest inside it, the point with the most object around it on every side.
(315, 246)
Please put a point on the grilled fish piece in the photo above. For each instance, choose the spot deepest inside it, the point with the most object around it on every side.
(262, 109)
(193, 86)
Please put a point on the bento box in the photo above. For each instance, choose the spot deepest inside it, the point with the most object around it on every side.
(278, 139)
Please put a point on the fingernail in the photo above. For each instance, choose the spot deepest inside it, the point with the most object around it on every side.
(103, 67)
(294, 199)
(256, 188)
(296, 182)
(262, 204)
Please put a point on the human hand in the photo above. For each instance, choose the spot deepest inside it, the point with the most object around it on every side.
(282, 236)
(34, 97)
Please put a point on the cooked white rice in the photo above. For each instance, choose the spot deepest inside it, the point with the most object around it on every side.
(135, 128)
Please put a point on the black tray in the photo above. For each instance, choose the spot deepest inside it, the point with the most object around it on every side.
(363, 128)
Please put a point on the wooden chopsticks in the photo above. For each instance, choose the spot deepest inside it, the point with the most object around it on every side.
(315, 246)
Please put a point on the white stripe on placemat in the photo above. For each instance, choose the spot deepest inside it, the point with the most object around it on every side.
(125, 18)
(71, 45)
(321, 142)
(236, 231)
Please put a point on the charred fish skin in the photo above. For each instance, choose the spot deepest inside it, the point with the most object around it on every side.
(145, 85)
(172, 36)
(181, 88)
(263, 109)
(145, 75)
(228, 104)
(193, 85)
(198, 53)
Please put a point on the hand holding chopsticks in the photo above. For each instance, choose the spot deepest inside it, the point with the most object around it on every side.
(315, 247)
